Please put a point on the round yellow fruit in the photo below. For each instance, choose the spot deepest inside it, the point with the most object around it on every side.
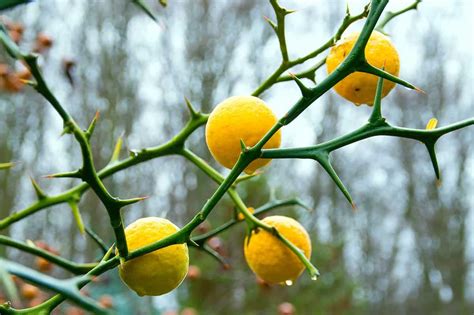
(158, 272)
(240, 117)
(359, 87)
(269, 258)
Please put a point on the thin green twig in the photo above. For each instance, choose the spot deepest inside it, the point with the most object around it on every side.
(390, 15)
(55, 259)
(288, 64)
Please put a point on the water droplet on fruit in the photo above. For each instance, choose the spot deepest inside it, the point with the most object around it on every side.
(289, 283)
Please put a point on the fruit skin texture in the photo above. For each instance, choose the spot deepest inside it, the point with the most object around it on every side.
(359, 87)
(269, 258)
(158, 272)
(240, 117)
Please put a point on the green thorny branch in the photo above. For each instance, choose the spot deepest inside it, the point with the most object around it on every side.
(310, 73)
(286, 63)
(377, 126)
(87, 172)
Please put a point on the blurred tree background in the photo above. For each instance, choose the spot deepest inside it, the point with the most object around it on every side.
(408, 249)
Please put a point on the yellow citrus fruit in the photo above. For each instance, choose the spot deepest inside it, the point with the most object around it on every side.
(269, 258)
(160, 271)
(240, 117)
(359, 87)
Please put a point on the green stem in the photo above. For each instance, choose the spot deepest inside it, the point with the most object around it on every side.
(68, 289)
(390, 15)
(252, 221)
(144, 155)
(57, 260)
(217, 177)
(270, 80)
(309, 74)
(183, 235)
(288, 64)
(377, 110)
(313, 271)
(200, 239)
(35, 207)
(380, 128)
(280, 13)
(88, 171)
(96, 239)
(255, 152)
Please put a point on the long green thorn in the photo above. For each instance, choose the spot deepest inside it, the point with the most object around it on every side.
(366, 67)
(144, 7)
(377, 110)
(431, 150)
(326, 164)
(39, 192)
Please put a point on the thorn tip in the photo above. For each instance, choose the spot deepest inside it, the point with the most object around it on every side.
(354, 207)
(419, 90)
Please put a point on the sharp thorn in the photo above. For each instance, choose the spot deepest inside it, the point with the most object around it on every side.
(305, 91)
(326, 164)
(419, 90)
(191, 108)
(145, 9)
(434, 161)
(126, 202)
(243, 147)
(91, 128)
(272, 24)
(118, 146)
(73, 174)
(77, 216)
(368, 68)
(354, 207)
(39, 192)
(193, 243)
